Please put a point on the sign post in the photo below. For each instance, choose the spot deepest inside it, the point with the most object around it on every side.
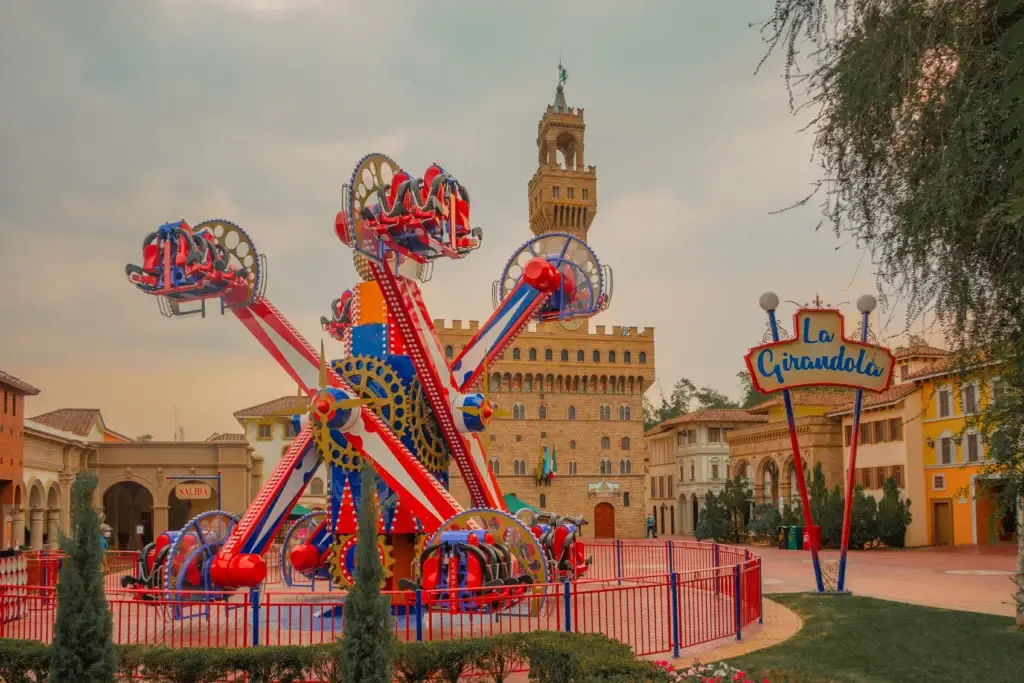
(819, 354)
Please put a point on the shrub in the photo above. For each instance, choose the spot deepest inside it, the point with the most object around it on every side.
(713, 521)
(187, 665)
(22, 661)
(793, 514)
(367, 647)
(766, 522)
(863, 520)
(503, 656)
(83, 650)
(893, 516)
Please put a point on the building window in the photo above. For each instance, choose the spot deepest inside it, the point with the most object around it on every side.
(938, 482)
(622, 466)
(543, 435)
(972, 447)
(579, 356)
(542, 412)
(624, 413)
(661, 487)
(947, 451)
(880, 435)
(555, 191)
(691, 435)
(726, 470)
(264, 432)
(714, 470)
(670, 489)
(945, 404)
(569, 192)
(605, 412)
(625, 443)
(654, 488)
(316, 487)
(572, 445)
(518, 411)
(289, 429)
(680, 438)
(627, 357)
(693, 471)
(533, 354)
(493, 438)
(895, 429)
(714, 435)
(449, 352)
(548, 354)
(611, 356)
(528, 383)
(897, 475)
(970, 399)
(519, 467)
(880, 476)
(564, 356)
(865, 433)
(606, 443)
(847, 434)
(516, 354)
(865, 476)
(596, 356)
(519, 437)
(571, 413)
(572, 467)
(495, 466)
(643, 357)
(997, 390)
(625, 495)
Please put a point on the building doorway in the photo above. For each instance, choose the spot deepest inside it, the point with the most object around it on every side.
(662, 520)
(672, 518)
(695, 515)
(604, 521)
(942, 522)
(128, 507)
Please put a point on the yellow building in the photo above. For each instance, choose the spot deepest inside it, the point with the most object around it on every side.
(960, 510)
(578, 391)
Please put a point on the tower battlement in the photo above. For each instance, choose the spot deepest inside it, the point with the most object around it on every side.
(554, 330)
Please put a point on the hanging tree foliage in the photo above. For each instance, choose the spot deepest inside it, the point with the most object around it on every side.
(917, 106)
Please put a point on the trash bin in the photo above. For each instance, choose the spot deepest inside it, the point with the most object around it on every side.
(780, 538)
(792, 538)
(807, 539)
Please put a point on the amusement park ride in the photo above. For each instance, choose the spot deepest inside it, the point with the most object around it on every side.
(394, 401)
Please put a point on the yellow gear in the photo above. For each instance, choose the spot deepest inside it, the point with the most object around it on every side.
(343, 544)
(428, 441)
(420, 544)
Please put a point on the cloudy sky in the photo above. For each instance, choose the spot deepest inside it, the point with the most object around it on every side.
(119, 115)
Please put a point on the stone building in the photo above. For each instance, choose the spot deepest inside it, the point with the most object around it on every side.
(577, 391)
(689, 456)
(12, 447)
(763, 454)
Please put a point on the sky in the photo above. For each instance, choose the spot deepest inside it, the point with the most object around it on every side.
(120, 115)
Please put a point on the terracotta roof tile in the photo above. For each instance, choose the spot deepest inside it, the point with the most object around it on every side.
(940, 365)
(277, 406)
(17, 384)
(219, 437)
(892, 395)
(709, 415)
(808, 397)
(75, 420)
(920, 351)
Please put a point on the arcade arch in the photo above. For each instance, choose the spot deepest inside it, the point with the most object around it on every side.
(128, 505)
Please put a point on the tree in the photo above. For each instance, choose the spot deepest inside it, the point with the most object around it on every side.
(367, 646)
(737, 497)
(766, 521)
(650, 414)
(82, 651)
(713, 521)
(893, 516)
(751, 396)
(863, 520)
(144, 438)
(792, 514)
(708, 398)
(918, 113)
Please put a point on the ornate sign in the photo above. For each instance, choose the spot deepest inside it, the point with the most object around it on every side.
(191, 490)
(819, 355)
(603, 489)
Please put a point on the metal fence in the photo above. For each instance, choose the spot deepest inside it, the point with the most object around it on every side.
(655, 596)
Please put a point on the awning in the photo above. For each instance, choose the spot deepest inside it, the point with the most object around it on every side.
(514, 505)
(300, 511)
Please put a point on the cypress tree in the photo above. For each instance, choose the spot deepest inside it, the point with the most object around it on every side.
(83, 651)
(367, 646)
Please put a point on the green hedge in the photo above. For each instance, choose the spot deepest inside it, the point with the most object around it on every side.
(551, 657)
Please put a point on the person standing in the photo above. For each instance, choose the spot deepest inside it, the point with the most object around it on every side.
(651, 529)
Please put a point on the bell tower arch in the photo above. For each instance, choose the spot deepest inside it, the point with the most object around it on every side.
(563, 190)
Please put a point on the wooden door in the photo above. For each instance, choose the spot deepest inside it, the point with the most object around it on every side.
(672, 517)
(942, 522)
(604, 521)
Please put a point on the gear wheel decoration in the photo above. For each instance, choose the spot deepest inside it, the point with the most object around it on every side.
(428, 440)
(342, 562)
(420, 544)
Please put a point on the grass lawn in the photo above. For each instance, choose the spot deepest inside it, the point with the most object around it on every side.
(864, 640)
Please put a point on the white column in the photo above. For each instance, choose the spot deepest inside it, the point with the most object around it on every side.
(35, 529)
(18, 529)
(52, 525)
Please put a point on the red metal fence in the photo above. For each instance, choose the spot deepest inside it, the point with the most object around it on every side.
(657, 597)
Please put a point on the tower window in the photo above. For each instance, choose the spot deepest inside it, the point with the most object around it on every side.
(516, 355)
(449, 352)
(611, 356)
(643, 357)
(533, 354)
(554, 192)
(597, 356)
(547, 354)
(579, 356)
(568, 192)
(586, 195)
(572, 445)
(627, 357)
(565, 356)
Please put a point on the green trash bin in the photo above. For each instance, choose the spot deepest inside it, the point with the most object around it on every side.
(780, 538)
(798, 538)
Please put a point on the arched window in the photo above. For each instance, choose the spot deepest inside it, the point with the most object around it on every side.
(622, 465)
(533, 354)
(564, 355)
(571, 413)
(606, 443)
(495, 382)
(597, 356)
(611, 356)
(572, 445)
(543, 500)
(449, 352)
(519, 467)
(548, 355)
(518, 411)
(643, 357)
(601, 467)
(627, 357)
(316, 487)
(516, 354)
(629, 466)
(579, 356)
(606, 412)
(625, 499)
(528, 382)
(542, 412)
(495, 465)
(624, 412)
(572, 467)
(625, 443)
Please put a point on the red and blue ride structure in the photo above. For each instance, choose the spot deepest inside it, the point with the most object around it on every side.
(393, 400)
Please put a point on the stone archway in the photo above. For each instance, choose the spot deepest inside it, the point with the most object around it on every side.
(52, 516)
(128, 506)
(767, 488)
(181, 511)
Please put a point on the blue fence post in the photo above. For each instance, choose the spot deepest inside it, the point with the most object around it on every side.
(674, 587)
(254, 605)
(566, 587)
(736, 590)
(714, 551)
(619, 561)
(671, 562)
(419, 615)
